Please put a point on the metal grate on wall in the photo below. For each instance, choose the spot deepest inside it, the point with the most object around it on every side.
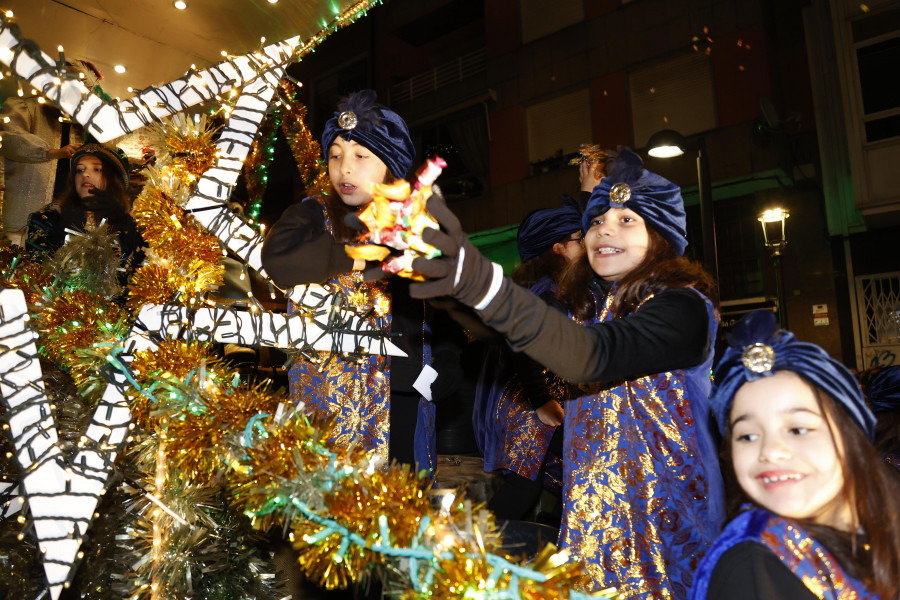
(434, 79)
(878, 298)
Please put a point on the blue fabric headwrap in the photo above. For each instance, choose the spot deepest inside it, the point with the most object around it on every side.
(542, 228)
(758, 348)
(359, 119)
(883, 390)
(656, 199)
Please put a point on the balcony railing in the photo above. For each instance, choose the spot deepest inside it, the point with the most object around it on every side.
(434, 79)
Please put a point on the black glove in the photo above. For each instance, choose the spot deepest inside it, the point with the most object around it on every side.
(461, 271)
(104, 206)
(353, 222)
(71, 216)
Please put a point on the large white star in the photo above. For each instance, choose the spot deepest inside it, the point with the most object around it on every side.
(63, 496)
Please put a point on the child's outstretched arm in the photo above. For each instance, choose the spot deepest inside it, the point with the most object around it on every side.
(299, 250)
(669, 331)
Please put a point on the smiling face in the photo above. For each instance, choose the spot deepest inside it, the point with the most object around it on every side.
(783, 452)
(616, 243)
(89, 175)
(353, 168)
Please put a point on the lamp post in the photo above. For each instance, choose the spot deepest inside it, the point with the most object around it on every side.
(668, 143)
(772, 221)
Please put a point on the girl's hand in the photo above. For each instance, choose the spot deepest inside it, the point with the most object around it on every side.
(550, 413)
(461, 271)
(587, 175)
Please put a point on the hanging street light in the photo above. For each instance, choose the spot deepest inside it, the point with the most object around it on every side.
(668, 143)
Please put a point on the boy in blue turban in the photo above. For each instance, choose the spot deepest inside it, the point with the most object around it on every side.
(372, 400)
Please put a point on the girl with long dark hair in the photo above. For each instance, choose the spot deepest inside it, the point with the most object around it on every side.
(816, 507)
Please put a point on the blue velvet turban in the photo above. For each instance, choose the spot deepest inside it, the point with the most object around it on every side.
(542, 228)
(883, 390)
(758, 348)
(359, 119)
(656, 199)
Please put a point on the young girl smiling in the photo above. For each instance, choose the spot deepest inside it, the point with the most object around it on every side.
(641, 487)
(820, 512)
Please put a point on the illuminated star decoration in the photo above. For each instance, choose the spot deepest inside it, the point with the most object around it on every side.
(449, 569)
(73, 489)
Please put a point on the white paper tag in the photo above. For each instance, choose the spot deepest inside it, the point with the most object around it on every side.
(424, 381)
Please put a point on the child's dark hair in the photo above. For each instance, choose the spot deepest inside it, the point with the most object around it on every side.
(660, 270)
(546, 264)
(114, 188)
(873, 488)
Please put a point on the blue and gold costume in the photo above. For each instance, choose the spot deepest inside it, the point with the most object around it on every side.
(509, 433)
(795, 548)
(356, 393)
(636, 493)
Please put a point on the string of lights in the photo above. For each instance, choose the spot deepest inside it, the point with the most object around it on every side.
(61, 495)
(279, 469)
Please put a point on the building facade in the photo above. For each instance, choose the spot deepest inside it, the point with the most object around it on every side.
(794, 101)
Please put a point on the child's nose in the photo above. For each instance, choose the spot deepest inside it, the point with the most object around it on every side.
(606, 228)
(774, 449)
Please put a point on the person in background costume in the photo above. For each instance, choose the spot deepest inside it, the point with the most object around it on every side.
(881, 386)
(517, 403)
(96, 190)
(820, 518)
(592, 168)
(372, 400)
(38, 144)
(642, 495)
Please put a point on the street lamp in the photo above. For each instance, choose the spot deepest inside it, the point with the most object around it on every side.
(772, 221)
(668, 143)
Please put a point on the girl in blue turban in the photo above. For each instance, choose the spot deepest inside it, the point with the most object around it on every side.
(881, 386)
(517, 413)
(820, 514)
(642, 496)
(372, 400)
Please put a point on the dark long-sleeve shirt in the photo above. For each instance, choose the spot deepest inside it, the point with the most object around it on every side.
(299, 249)
(750, 571)
(668, 332)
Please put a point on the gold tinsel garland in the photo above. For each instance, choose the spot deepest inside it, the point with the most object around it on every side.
(305, 149)
(71, 325)
(186, 144)
(20, 272)
(184, 256)
(256, 164)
